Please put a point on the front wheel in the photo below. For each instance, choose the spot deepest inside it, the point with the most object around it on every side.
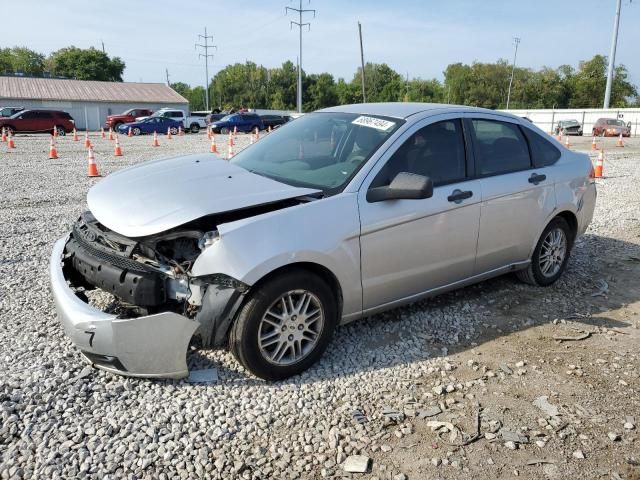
(224, 130)
(194, 128)
(173, 130)
(136, 131)
(60, 131)
(551, 254)
(284, 326)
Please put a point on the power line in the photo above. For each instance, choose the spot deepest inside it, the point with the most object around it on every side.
(206, 56)
(299, 23)
(516, 42)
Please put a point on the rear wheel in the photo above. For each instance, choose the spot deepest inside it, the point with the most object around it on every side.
(284, 326)
(173, 130)
(194, 128)
(551, 254)
(224, 130)
(116, 126)
(136, 131)
(60, 130)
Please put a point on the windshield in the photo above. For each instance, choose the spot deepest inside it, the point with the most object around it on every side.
(570, 122)
(619, 123)
(319, 150)
(226, 118)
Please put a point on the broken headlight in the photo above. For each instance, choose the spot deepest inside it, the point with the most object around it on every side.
(208, 239)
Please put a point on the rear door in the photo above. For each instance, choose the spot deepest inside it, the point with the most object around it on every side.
(411, 246)
(517, 196)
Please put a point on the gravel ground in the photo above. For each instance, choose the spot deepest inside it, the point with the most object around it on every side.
(489, 348)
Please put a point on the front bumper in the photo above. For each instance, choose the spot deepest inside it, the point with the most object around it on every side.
(147, 346)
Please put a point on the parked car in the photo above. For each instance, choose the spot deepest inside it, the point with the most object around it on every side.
(274, 121)
(114, 121)
(243, 122)
(150, 125)
(10, 111)
(344, 213)
(610, 127)
(214, 117)
(190, 123)
(569, 127)
(39, 121)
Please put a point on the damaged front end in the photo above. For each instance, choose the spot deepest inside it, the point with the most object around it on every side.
(160, 307)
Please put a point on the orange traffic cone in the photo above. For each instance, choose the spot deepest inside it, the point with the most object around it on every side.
(251, 141)
(235, 131)
(599, 164)
(230, 139)
(559, 137)
(566, 142)
(169, 133)
(155, 142)
(594, 146)
(4, 135)
(117, 151)
(55, 132)
(53, 152)
(129, 133)
(214, 148)
(230, 156)
(75, 134)
(102, 132)
(269, 129)
(620, 142)
(257, 135)
(92, 168)
(10, 141)
(180, 132)
(87, 142)
(209, 132)
(110, 133)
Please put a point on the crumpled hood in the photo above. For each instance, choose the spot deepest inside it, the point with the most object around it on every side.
(156, 196)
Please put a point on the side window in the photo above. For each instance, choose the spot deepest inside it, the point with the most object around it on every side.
(544, 153)
(500, 147)
(44, 115)
(436, 151)
(28, 115)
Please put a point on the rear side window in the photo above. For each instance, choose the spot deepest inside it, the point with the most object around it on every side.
(436, 151)
(500, 147)
(64, 115)
(544, 153)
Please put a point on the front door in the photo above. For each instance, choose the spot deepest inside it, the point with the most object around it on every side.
(412, 246)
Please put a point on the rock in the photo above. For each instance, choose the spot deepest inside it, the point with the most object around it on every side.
(429, 412)
(438, 390)
(578, 454)
(629, 426)
(516, 437)
(356, 464)
(614, 437)
(400, 476)
(543, 404)
(436, 461)
(511, 445)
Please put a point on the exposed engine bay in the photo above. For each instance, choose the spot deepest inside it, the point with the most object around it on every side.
(153, 274)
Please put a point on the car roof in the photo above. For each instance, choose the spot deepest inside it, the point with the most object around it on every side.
(403, 109)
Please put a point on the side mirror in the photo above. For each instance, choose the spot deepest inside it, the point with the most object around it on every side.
(405, 186)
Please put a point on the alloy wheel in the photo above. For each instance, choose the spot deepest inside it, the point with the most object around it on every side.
(553, 252)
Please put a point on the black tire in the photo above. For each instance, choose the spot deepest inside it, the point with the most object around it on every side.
(224, 131)
(533, 274)
(255, 129)
(10, 130)
(173, 130)
(194, 128)
(116, 126)
(136, 131)
(61, 131)
(243, 336)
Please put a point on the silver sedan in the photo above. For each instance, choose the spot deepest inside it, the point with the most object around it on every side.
(343, 213)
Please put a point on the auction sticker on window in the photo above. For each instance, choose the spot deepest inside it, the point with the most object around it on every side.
(372, 122)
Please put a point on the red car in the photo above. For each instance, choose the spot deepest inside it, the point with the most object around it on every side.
(38, 121)
(610, 127)
(114, 121)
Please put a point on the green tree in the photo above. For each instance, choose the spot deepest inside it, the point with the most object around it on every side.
(86, 64)
(22, 59)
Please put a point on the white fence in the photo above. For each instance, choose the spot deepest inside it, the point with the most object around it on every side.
(548, 119)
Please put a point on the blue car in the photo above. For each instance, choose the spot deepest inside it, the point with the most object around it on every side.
(150, 125)
(242, 122)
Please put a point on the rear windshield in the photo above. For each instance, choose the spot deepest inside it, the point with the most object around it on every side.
(618, 123)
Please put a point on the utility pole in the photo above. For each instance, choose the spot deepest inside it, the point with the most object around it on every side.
(516, 42)
(299, 23)
(364, 97)
(206, 56)
(102, 42)
(612, 56)
(168, 82)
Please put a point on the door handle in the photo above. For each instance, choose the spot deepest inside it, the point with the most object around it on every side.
(458, 195)
(536, 178)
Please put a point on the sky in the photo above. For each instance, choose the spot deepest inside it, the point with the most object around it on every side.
(418, 38)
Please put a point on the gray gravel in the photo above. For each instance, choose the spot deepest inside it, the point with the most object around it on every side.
(62, 419)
